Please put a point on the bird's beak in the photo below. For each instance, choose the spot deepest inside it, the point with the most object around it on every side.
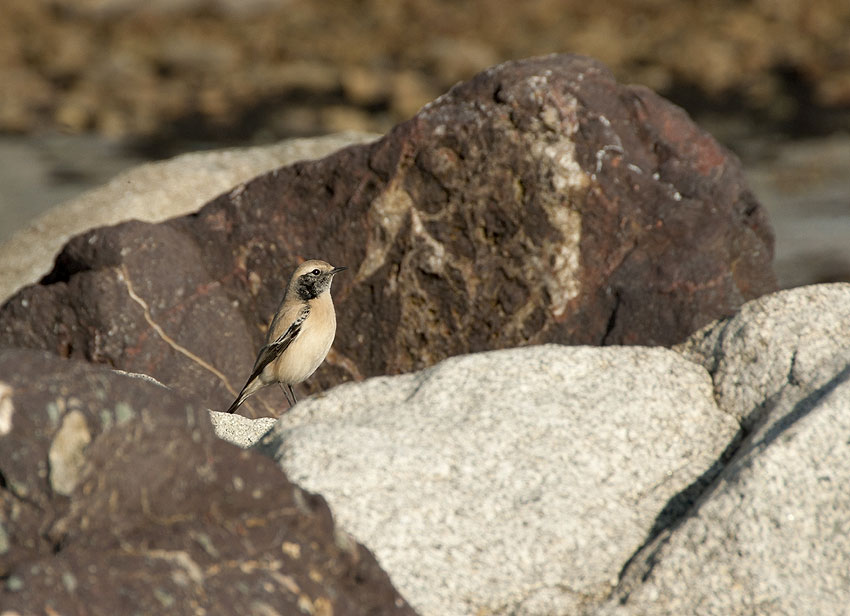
(336, 270)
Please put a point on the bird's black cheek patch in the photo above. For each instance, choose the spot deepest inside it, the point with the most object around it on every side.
(306, 288)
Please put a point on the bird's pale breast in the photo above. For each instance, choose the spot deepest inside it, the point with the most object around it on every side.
(310, 348)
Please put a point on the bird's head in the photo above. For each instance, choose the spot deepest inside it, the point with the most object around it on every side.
(312, 278)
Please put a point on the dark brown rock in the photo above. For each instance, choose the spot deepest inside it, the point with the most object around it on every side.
(117, 497)
(539, 202)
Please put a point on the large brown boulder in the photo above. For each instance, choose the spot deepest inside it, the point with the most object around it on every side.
(118, 498)
(541, 201)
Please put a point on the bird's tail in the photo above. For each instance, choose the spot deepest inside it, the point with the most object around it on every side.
(239, 400)
(250, 388)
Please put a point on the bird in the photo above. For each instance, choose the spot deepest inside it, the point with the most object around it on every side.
(300, 334)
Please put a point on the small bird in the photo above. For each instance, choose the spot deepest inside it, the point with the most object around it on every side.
(300, 334)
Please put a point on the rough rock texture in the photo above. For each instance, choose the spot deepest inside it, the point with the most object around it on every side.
(117, 498)
(240, 430)
(540, 201)
(775, 352)
(771, 535)
(516, 481)
(150, 192)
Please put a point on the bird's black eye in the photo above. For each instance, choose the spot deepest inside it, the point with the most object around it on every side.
(316, 272)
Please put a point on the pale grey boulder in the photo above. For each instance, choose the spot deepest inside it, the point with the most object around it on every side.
(509, 482)
(238, 429)
(775, 351)
(772, 535)
(603, 481)
(771, 538)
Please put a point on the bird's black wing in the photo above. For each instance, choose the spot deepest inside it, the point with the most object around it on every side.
(271, 352)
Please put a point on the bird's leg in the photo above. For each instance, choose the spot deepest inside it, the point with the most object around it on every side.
(294, 399)
(286, 395)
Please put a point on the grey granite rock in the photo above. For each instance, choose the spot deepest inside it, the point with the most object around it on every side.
(771, 535)
(776, 351)
(771, 538)
(238, 429)
(508, 482)
(620, 481)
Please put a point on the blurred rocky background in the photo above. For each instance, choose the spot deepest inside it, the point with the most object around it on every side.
(91, 87)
